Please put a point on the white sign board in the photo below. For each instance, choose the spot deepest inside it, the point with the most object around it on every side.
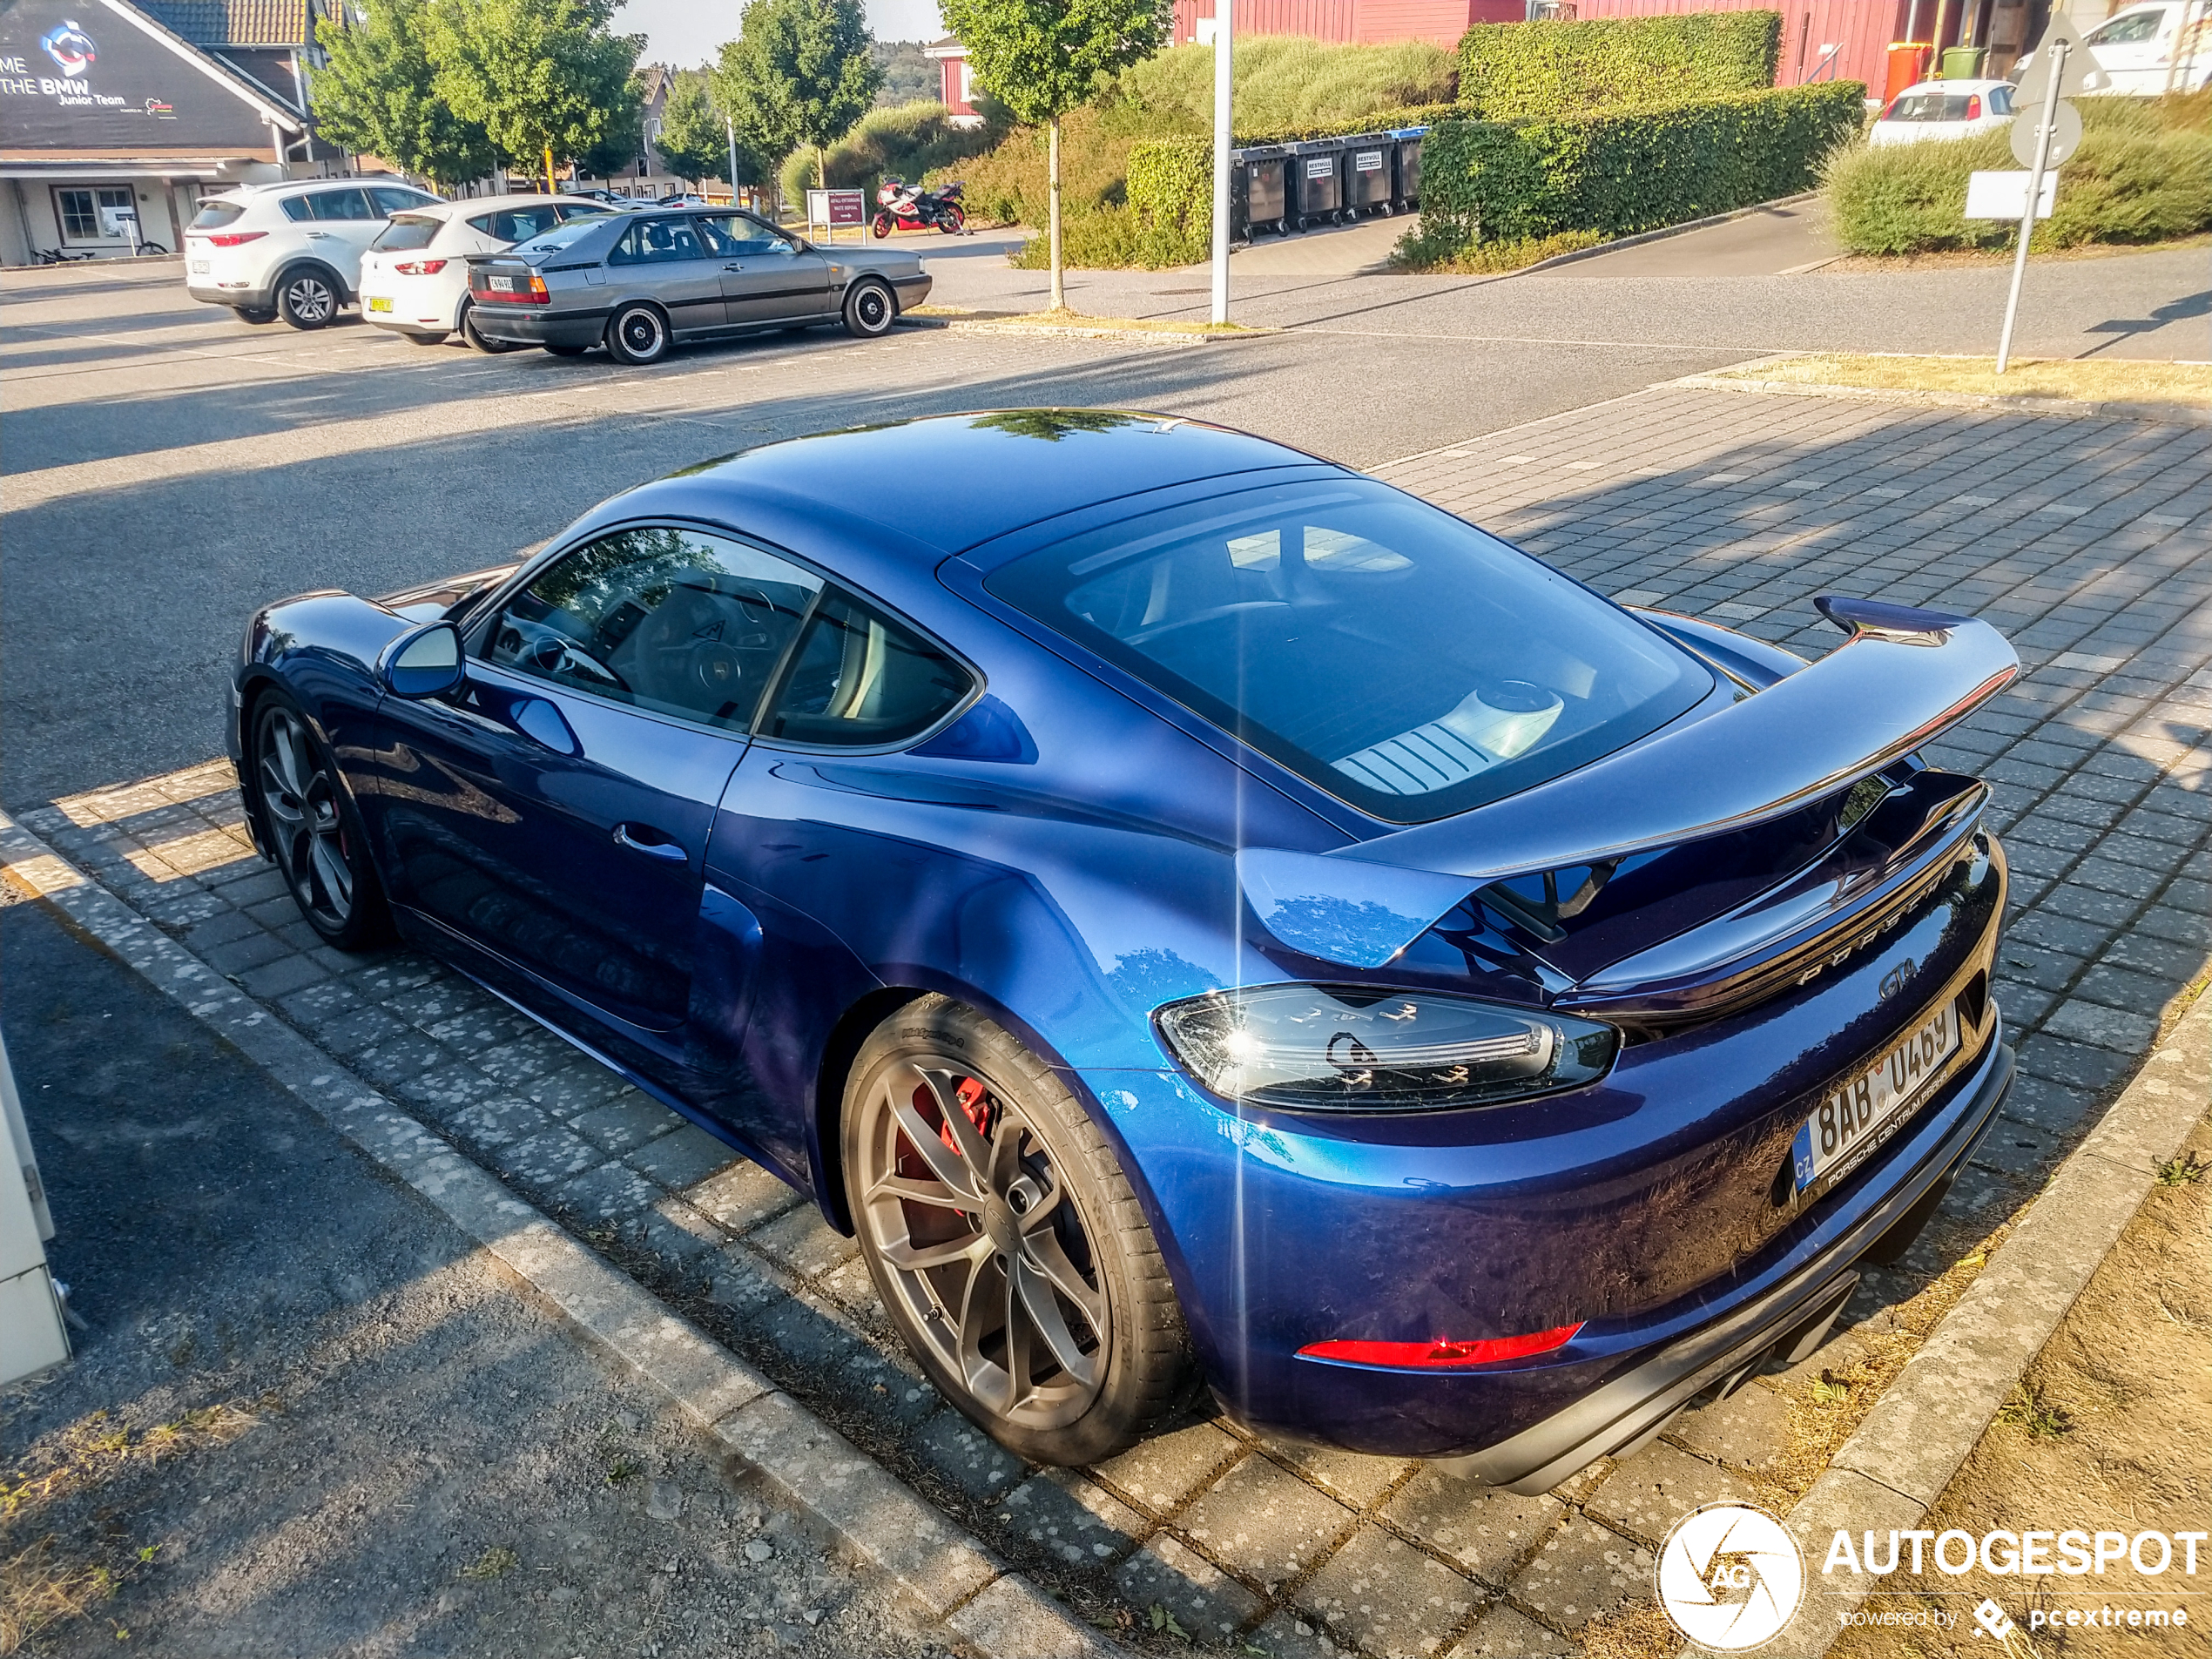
(2004, 195)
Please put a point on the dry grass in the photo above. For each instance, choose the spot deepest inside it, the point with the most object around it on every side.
(1065, 318)
(2095, 380)
(1640, 1630)
(34, 1593)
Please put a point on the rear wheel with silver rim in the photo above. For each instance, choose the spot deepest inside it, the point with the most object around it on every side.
(870, 310)
(307, 299)
(638, 334)
(1005, 1241)
(469, 331)
(312, 829)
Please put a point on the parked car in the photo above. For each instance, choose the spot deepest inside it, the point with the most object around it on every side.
(414, 277)
(639, 283)
(2144, 50)
(1178, 901)
(290, 250)
(1944, 109)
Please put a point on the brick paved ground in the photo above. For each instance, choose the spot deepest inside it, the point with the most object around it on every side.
(2090, 542)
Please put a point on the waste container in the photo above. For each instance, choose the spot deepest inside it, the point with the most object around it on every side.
(1259, 196)
(1318, 169)
(1908, 66)
(1407, 184)
(1963, 62)
(1370, 173)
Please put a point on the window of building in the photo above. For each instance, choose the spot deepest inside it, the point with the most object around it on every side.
(78, 208)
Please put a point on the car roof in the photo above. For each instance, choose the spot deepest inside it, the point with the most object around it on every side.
(1953, 86)
(952, 481)
(497, 203)
(277, 189)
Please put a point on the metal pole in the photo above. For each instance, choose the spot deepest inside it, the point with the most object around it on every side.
(730, 125)
(2044, 128)
(1223, 138)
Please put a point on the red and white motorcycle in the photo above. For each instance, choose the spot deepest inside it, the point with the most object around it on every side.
(909, 207)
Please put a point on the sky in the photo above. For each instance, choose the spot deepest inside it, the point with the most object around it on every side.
(685, 32)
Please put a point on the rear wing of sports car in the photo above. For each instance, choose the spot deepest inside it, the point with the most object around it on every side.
(1903, 676)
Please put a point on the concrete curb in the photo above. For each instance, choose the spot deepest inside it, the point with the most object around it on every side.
(1894, 1467)
(888, 1525)
(2172, 414)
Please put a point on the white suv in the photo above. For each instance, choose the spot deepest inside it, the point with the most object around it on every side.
(414, 277)
(290, 250)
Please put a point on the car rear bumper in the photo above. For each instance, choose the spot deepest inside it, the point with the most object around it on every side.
(408, 313)
(238, 298)
(530, 325)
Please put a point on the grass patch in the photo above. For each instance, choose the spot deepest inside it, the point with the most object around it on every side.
(2038, 1417)
(1415, 253)
(2184, 1170)
(496, 1563)
(2143, 174)
(96, 1447)
(2093, 380)
(36, 1593)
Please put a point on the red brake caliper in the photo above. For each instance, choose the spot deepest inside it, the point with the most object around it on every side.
(970, 1098)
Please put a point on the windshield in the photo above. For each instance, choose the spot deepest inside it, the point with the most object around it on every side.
(407, 232)
(560, 236)
(1390, 653)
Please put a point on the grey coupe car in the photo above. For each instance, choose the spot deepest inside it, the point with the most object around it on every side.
(641, 282)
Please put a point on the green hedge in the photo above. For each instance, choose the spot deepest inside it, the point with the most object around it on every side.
(1514, 70)
(2143, 174)
(1618, 171)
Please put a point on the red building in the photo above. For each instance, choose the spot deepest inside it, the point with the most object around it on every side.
(959, 82)
(1350, 22)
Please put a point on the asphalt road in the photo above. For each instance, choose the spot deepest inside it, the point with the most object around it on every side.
(168, 467)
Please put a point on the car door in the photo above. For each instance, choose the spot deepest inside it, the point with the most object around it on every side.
(341, 224)
(2131, 48)
(662, 259)
(554, 812)
(766, 277)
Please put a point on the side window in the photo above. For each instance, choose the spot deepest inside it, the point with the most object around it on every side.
(861, 679)
(2001, 100)
(655, 240)
(674, 621)
(737, 235)
(341, 205)
(390, 199)
(517, 223)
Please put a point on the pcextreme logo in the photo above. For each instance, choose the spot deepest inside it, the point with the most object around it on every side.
(1729, 1577)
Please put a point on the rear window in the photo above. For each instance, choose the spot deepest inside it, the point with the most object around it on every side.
(212, 216)
(1386, 652)
(406, 232)
(1929, 106)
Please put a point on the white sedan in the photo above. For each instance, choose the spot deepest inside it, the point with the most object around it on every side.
(1944, 109)
(414, 277)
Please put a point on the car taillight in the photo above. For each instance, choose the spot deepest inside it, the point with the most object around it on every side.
(1442, 1355)
(523, 289)
(420, 267)
(1974, 106)
(236, 239)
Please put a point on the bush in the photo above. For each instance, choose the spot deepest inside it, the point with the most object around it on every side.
(2143, 173)
(1289, 83)
(906, 142)
(1009, 183)
(1517, 70)
(1618, 171)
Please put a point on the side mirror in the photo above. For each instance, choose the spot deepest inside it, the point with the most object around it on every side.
(426, 662)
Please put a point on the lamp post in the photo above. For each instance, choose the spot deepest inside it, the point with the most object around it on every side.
(1223, 92)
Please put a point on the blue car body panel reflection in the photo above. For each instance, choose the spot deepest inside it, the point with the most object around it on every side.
(669, 815)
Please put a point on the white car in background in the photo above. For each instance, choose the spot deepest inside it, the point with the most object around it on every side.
(2162, 46)
(290, 250)
(414, 277)
(1944, 109)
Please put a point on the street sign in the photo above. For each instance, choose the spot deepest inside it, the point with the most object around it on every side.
(2080, 74)
(2004, 195)
(2065, 134)
(836, 207)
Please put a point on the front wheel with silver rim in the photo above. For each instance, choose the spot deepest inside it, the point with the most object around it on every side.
(637, 335)
(311, 828)
(307, 299)
(1005, 1240)
(870, 310)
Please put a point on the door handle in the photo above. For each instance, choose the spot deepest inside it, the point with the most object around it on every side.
(660, 847)
(733, 267)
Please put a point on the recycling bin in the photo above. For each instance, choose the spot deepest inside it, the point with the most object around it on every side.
(1370, 173)
(1908, 66)
(1259, 192)
(1316, 168)
(1963, 62)
(1407, 181)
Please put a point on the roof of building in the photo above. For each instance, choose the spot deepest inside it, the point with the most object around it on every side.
(948, 47)
(236, 23)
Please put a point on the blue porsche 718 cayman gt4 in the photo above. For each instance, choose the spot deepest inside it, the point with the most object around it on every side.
(1185, 904)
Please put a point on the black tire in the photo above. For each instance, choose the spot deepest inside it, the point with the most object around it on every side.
(308, 297)
(870, 309)
(881, 226)
(476, 341)
(255, 314)
(1091, 1350)
(309, 820)
(422, 340)
(637, 335)
(566, 350)
(952, 222)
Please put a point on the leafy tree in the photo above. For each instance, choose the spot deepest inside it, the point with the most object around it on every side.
(693, 141)
(798, 72)
(544, 78)
(375, 94)
(1042, 58)
(908, 77)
